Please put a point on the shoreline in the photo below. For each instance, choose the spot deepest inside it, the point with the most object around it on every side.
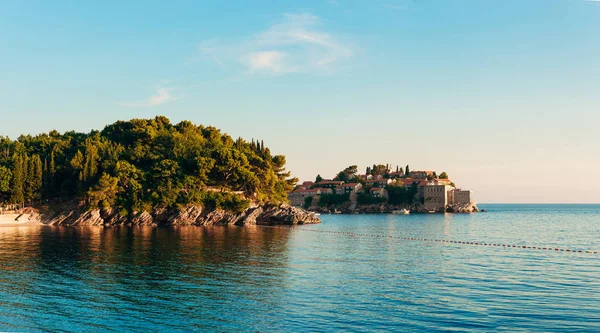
(19, 219)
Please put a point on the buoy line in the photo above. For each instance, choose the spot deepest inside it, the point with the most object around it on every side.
(443, 241)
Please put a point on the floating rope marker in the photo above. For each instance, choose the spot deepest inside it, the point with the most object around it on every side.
(450, 241)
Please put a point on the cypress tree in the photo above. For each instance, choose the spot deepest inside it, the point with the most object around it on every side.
(407, 170)
(91, 164)
(17, 196)
(30, 189)
(38, 177)
(80, 182)
(86, 167)
(45, 177)
(51, 169)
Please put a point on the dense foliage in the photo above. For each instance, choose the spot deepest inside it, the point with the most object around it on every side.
(327, 199)
(398, 195)
(143, 163)
(367, 199)
(307, 202)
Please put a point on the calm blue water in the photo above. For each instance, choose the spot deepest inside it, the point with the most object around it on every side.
(268, 280)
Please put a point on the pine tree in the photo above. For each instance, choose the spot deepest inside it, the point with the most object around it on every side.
(407, 170)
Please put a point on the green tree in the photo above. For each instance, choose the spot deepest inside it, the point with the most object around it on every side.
(156, 163)
(5, 180)
(444, 175)
(38, 175)
(51, 169)
(104, 194)
(347, 174)
(17, 195)
(307, 202)
(318, 179)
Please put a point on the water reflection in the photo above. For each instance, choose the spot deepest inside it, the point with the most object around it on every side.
(125, 269)
(290, 279)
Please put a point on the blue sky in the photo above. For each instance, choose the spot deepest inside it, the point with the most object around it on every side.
(503, 95)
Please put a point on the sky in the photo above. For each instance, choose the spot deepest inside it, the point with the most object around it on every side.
(502, 95)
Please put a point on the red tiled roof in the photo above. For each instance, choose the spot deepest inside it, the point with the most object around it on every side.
(330, 182)
(349, 185)
(376, 189)
(376, 180)
(313, 190)
(412, 180)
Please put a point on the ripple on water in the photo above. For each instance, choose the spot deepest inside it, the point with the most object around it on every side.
(290, 279)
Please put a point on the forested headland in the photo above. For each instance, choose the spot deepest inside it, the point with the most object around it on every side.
(142, 164)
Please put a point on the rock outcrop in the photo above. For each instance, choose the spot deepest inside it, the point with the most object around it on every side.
(463, 208)
(384, 208)
(268, 214)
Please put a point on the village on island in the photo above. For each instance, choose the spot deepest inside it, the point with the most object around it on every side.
(381, 190)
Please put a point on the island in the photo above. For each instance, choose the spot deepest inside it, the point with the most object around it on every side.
(145, 172)
(383, 190)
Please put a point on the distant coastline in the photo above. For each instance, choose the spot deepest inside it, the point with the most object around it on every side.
(382, 190)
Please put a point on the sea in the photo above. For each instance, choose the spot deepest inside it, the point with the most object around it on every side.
(514, 268)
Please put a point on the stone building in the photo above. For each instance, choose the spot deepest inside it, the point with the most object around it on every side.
(298, 196)
(435, 197)
(382, 182)
(379, 192)
(306, 185)
(459, 196)
(332, 184)
(420, 174)
(348, 188)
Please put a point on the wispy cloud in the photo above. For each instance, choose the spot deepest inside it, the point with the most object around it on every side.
(271, 61)
(295, 44)
(162, 96)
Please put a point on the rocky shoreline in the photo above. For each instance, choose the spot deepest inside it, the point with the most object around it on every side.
(73, 214)
(388, 209)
